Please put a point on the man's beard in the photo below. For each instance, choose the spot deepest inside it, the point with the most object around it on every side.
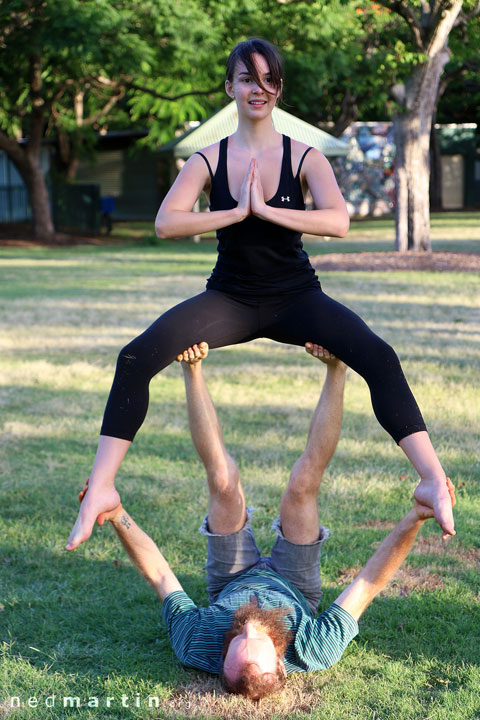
(271, 621)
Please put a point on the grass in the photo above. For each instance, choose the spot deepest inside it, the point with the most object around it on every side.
(86, 625)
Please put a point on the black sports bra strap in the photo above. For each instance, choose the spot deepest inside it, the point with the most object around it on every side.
(301, 161)
(221, 171)
(287, 157)
(208, 164)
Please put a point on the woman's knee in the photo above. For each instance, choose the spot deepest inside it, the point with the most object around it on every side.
(380, 359)
(138, 358)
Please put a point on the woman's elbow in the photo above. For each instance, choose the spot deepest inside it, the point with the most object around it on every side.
(161, 227)
(160, 232)
(344, 226)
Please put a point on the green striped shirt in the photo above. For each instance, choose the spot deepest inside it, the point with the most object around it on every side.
(197, 633)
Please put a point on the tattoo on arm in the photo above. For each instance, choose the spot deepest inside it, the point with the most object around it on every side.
(125, 521)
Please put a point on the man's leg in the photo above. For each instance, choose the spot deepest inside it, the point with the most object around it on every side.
(226, 511)
(298, 509)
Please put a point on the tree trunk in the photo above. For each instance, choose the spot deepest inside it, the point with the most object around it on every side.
(412, 128)
(42, 218)
(412, 209)
(28, 165)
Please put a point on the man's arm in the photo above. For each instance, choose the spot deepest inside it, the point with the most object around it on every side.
(142, 550)
(145, 554)
(386, 560)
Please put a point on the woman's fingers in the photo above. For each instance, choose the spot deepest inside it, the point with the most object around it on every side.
(244, 199)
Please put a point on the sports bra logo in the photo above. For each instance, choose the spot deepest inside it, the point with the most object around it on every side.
(286, 198)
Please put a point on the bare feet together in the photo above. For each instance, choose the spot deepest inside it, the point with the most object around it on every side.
(194, 354)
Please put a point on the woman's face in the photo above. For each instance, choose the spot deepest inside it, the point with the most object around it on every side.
(252, 100)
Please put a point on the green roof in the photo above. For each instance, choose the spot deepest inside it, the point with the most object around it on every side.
(225, 122)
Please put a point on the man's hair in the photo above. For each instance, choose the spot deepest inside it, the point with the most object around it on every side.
(255, 685)
(244, 52)
(250, 682)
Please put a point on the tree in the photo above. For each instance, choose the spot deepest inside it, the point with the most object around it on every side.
(66, 65)
(429, 25)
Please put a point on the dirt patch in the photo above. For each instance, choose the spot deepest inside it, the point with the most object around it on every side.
(405, 582)
(204, 698)
(377, 525)
(21, 235)
(467, 557)
(389, 261)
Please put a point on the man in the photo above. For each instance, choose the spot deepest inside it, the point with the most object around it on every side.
(260, 623)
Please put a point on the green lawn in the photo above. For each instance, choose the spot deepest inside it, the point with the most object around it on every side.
(84, 624)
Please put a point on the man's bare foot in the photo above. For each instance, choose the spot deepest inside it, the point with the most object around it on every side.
(440, 496)
(194, 354)
(94, 504)
(324, 355)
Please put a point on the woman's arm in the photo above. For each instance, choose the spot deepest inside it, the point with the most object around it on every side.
(175, 217)
(330, 216)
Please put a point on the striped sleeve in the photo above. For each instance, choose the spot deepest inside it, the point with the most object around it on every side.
(180, 615)
(321, 642)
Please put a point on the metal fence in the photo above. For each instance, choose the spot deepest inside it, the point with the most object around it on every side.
(14, 204)
(76, 208)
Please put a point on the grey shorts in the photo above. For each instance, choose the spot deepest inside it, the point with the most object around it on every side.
(229, 556)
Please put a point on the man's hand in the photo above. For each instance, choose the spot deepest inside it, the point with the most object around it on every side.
(110, 515)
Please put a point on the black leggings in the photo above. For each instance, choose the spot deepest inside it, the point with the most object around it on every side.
(221, 319)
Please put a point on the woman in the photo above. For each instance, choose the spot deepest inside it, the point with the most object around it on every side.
(262, 285)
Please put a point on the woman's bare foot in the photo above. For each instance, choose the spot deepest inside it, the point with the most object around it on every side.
(94, 504)
(324, 355)
(440, 497)
(433, 489)
(194, 354)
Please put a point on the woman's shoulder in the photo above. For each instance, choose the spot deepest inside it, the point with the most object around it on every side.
(302, 151)
(300, 148)
(211, 151)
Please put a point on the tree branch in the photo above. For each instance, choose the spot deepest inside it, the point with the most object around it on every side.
(127, 81)
(407, 13)
(464, 18)
(12, 148)
(38, 102)
(107, 107)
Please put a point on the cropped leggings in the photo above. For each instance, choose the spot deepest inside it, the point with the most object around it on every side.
(221, 319)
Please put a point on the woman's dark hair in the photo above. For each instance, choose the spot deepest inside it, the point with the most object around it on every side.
(244, 52)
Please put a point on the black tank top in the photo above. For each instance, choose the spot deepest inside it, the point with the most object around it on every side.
(257, 257)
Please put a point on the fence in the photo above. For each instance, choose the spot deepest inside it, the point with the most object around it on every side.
(14, 204)
(76, 208)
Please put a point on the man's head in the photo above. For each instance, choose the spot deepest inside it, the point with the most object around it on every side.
(253, 651)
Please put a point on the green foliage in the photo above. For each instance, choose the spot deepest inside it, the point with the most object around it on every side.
(144, 54)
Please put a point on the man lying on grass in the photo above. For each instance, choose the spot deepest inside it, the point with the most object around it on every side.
(260, 623)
